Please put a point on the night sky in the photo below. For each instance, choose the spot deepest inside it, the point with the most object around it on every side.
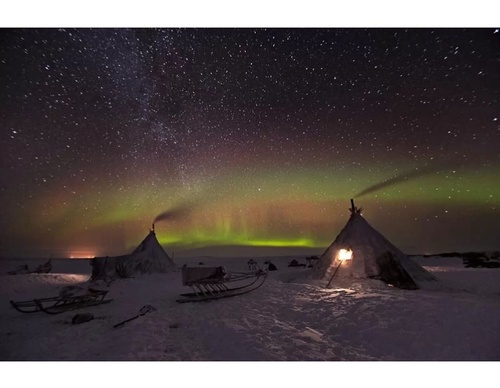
(249, 138)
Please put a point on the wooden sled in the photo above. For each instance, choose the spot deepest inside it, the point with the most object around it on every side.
(210, 283)
(44, 268)
(58, 304)
(23, 269)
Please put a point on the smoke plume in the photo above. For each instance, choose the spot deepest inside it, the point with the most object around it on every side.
(405, 177)
(175, 213)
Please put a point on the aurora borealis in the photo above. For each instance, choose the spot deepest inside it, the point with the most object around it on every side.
(247, 138)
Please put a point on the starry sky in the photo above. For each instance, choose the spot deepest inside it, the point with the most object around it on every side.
(247, 139)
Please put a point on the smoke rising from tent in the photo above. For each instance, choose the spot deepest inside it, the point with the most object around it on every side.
(405, 177)
(175, 213)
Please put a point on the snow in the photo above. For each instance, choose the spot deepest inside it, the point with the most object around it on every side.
(290, 318)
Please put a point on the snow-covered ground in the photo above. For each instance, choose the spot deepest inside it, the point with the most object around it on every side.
(290, 318)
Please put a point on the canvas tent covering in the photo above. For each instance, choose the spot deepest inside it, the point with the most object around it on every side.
(373, 256)
(148, 257)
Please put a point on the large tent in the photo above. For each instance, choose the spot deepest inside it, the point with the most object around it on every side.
(148, 257)
(360, 251)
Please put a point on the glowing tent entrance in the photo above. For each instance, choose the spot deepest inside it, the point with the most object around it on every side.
(359, 251)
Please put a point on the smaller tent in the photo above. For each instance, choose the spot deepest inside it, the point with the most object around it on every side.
(360, 251)
(148, 257)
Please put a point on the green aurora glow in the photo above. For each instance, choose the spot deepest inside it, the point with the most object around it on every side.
(267, 209)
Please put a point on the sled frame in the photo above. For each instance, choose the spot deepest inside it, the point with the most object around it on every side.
(212, 288)
(58, 305)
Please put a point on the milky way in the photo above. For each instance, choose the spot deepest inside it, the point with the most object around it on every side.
(259, 136)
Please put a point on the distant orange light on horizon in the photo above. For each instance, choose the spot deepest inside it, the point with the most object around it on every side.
(81, 255)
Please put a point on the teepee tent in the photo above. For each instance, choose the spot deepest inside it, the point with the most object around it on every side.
(152, 255)
(359, 251)
(148, 257)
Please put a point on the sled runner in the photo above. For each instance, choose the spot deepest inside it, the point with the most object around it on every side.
(61, 304)
(209, 283)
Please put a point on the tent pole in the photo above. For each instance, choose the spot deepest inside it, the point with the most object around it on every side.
(336, 269)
